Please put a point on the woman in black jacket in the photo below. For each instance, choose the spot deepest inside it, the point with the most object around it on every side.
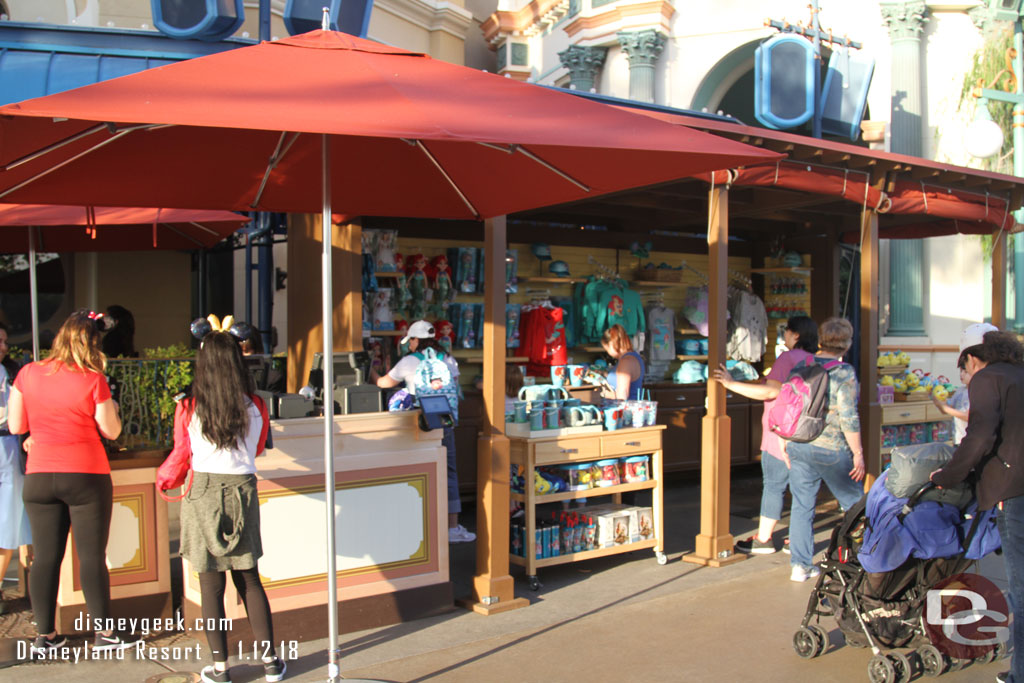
(994, 449)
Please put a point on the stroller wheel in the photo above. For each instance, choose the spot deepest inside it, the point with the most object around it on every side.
(986, 658)
(932, 662)
(1002, 650)
(881, 670)
(904, 669)
(806, 643)
(822, 637)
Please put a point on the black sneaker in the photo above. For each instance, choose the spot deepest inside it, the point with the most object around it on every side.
(41, 645)
(209, 674)
(754, 546)
(275, 670)
(117, 640)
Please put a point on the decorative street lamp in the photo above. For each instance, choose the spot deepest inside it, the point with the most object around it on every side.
(985, 137)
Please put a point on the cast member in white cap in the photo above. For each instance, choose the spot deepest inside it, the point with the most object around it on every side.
(421, 336)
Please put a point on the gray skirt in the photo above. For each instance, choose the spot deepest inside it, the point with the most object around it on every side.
(220, 522)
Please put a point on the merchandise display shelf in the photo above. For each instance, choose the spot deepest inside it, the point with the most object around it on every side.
(799, 270)
(539, 499)
(394, 274)
(661, 284)
(553, 280)
(583, 555)
(387, 333)
(700, 358)
(508, 359)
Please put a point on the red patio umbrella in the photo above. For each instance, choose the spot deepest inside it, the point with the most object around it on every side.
(326, 120)
(104, 228)
(28, 228)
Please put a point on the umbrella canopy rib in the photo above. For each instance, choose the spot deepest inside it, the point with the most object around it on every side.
(275, 159)
(419, 144)
(55, 146)
(28, 181)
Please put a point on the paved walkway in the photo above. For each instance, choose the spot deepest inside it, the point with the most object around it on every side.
(610, 619)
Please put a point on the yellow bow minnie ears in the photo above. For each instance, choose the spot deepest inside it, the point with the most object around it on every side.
(203, 326)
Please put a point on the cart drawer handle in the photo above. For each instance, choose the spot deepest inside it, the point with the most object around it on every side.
(680, 399)
(567, 451)
(907, 414)
(632, 443)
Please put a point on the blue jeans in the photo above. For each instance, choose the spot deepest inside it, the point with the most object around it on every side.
(776, 479)
(1010, 521)
(809, 466)
(454, 501)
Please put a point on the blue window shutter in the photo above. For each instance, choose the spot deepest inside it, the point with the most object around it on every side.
(906, 288)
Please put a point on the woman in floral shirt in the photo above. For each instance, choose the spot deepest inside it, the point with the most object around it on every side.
(835, 457)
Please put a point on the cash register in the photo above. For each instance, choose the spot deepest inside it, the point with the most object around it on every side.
(351, 392)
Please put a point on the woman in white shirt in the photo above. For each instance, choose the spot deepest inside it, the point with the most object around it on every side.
(220, 517)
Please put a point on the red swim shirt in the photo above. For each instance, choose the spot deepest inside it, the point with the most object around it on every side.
(60, 403)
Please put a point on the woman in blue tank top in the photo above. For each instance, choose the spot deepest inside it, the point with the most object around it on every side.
(626, 379)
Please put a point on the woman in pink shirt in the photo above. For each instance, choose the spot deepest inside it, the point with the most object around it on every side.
(801, 339)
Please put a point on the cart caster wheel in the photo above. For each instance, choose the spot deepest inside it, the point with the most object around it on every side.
(806, 643)
(534, 583)
(881, 670)
(904, 669)
(1002, 650)
(955, 664)
(933, 663)
(986, 658)
(822, 638)
(661, 557)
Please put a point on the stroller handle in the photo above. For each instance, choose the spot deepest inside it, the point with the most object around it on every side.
(913, 500)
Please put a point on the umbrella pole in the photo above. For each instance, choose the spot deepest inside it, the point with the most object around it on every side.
(333, 652)
(33, 291)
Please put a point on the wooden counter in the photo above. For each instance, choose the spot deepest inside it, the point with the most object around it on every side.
(391, 510)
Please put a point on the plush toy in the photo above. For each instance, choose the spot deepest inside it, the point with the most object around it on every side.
(900, 384)
(912, 380)
(939, 392)
(886, 381)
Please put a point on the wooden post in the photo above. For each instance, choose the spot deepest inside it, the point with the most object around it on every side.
(999, 241)
(870, 411)
(493, 589)
(714, 544)
(305, 336)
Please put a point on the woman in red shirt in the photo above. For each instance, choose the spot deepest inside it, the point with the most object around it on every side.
(65, 402)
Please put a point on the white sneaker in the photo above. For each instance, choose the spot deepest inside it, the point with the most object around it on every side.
(460, 534)
(799, 574)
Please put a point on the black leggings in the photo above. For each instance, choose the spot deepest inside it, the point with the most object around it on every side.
(257, 607)
(56, 502)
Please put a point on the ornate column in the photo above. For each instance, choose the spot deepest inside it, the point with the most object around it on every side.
(583, 64)
(643, 49)
(905, 21)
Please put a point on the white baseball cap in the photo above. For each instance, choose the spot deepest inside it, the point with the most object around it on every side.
(975, 334)
(420, 329)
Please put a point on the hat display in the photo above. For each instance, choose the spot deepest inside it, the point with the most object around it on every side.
(975, 334)
(541, 251)
(559, 268)
(420, 329)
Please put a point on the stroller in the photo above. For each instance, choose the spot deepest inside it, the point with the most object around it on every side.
(877, 571)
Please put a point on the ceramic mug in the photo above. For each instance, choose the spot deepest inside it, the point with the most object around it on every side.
(558, 375)
(593, 414)
(551, 417)
(575, 416)
(576, 374)
(520, 411)
(536, 420)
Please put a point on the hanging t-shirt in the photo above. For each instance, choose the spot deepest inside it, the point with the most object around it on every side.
(661, 342)
(542, 338)
(784, 364)
(748, 326)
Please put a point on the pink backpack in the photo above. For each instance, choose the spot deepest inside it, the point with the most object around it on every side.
(799, 411)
